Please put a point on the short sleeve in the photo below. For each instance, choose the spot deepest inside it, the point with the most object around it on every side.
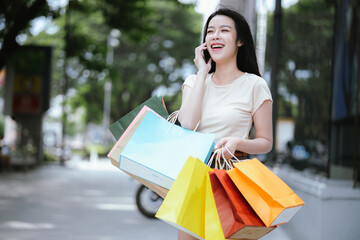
(261, 93)
(189, 81)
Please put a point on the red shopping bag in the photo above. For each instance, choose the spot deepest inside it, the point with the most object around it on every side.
(237, 218)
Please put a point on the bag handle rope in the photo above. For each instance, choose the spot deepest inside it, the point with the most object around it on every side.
(172, 118)
(226, 163)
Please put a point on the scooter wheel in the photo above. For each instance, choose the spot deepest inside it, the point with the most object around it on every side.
(147, 201)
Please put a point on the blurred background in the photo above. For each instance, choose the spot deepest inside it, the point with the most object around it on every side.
(70, 68)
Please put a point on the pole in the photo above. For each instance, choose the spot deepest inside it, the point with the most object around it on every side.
(107, 104)
(66, 83)
(275, 70)
(356, 140)
(356, 132)
(108, 84)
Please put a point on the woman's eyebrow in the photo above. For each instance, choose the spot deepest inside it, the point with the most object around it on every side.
(221, 26)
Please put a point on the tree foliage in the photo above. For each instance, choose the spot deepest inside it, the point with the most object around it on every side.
(155, 52)
(305, 74)
(140, 68)
(89, 25)
(163, 61)
(15, 17)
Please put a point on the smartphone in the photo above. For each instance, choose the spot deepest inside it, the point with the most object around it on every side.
(206, 55)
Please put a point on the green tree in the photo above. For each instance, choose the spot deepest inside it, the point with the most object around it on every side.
(82, 40)
(305, 72)
(159, 53)
(16, 16)
(139, 69)
(80, 34)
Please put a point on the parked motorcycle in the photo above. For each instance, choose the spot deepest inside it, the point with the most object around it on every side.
(307, 154)
(147, 201)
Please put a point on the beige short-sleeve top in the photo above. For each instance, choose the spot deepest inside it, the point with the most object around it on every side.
(227, 110)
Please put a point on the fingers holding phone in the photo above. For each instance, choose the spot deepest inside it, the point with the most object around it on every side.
(202, 58)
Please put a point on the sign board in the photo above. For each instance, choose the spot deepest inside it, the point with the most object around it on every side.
(28, 81)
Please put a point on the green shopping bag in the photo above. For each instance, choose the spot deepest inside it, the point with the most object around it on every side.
(155, 103)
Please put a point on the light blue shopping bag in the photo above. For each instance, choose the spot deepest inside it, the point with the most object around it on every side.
(158, 150)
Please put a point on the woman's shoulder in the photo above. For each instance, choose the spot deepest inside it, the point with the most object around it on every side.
(254, 79)
(190, 80)
(190, 76)
(259, 86)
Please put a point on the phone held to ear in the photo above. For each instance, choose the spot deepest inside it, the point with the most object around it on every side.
(206, 55)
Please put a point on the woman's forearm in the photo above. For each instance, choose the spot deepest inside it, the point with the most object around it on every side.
(251, 146)
(190, 110)
(258, 145)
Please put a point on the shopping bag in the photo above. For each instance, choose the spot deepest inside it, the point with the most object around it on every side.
(272, 199)
(238, 219)
(184, 205)
(213, 227)
(158, 150)
(155, 103)
(116, 151)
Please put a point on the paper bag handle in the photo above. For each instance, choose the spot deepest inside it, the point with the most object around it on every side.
(227, 163)
(174, 116)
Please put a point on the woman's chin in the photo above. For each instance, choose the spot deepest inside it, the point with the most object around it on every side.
(215, 58)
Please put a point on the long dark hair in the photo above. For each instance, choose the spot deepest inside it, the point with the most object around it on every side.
(246, 57)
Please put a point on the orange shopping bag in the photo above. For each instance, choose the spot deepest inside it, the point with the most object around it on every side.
(271, 198)
(238, 219)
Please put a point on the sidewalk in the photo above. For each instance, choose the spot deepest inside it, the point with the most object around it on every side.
(81, 201)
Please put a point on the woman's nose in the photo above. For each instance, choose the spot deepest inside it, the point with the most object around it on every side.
(216, 35)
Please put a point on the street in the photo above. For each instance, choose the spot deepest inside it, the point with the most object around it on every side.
(82, 200)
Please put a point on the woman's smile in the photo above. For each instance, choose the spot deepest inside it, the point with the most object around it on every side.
(217, 46)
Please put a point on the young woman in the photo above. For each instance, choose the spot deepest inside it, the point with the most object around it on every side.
(228, 95)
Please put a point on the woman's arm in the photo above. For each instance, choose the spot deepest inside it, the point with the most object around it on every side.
(190, 110)
(263, 141)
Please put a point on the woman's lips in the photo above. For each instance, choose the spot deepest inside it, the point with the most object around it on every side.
(216, 46)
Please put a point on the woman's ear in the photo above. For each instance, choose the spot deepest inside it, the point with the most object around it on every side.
(239, 43)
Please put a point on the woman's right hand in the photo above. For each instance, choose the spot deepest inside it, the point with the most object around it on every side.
(192, 97)
(200, 59)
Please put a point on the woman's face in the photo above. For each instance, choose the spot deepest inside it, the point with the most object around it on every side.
(221, 39)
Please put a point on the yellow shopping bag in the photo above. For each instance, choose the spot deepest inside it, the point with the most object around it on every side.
(271, 198)
(213, 228)
(184, 205)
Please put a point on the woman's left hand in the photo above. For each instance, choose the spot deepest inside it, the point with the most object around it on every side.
(230, 143)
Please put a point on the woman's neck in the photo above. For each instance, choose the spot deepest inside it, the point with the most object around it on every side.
(226, 74)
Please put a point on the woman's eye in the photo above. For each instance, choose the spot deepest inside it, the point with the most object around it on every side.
(225, 30)
(210, 31)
